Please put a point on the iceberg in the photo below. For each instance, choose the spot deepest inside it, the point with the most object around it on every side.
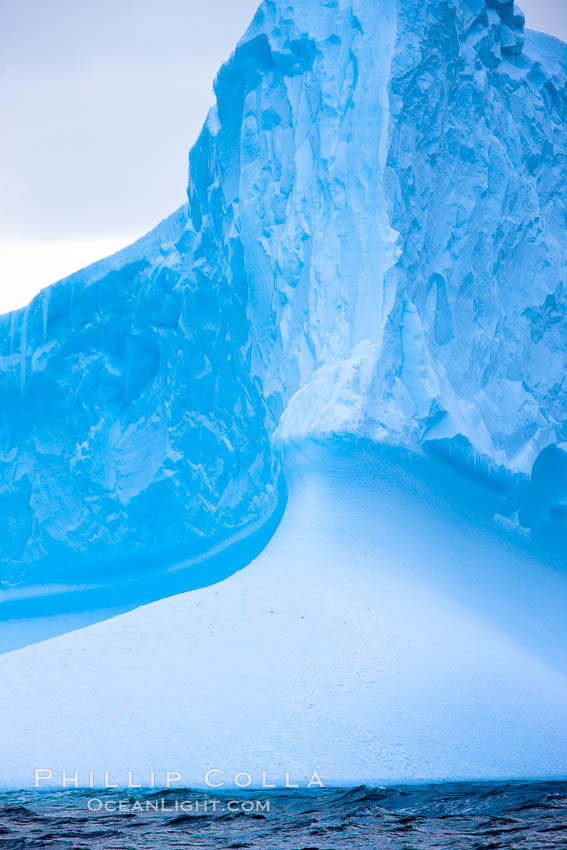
(362, 301)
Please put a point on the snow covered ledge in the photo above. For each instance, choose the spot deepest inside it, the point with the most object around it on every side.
(378, 637)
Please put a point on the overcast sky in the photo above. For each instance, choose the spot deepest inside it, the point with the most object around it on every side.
(100, 101)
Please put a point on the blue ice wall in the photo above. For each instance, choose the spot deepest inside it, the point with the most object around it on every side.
(131, 434)
(373, 245)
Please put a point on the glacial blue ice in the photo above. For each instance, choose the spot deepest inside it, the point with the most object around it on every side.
(373, 245)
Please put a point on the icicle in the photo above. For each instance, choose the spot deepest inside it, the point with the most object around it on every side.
(12, 331)
(45, 304)
(23, 350)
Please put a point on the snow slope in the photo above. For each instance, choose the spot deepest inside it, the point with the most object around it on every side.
(336, 650)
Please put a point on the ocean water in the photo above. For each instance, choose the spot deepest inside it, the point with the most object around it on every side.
(464, 816)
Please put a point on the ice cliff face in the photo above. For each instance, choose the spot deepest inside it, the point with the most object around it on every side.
(476, 169)
(374, 244)
(402, 211)
(130, 427)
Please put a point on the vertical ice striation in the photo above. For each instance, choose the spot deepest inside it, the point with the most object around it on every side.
(312, 210)
(476, 170)
(373, 245)
(468, 348)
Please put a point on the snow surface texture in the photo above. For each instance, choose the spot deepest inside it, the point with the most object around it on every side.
(373, 247)
(336, 651)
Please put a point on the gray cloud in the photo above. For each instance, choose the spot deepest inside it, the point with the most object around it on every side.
(101, 100)
(547, 16)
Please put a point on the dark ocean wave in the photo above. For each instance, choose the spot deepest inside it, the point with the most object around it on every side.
(460, 816)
